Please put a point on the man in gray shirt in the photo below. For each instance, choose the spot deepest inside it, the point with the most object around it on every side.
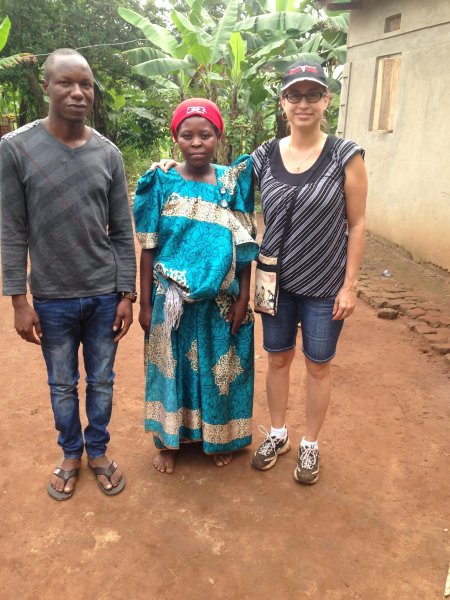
(64, 202)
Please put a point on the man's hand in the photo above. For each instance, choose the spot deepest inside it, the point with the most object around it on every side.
(124, 318)
(26, 321)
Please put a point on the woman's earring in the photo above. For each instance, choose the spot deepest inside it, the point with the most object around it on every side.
(325, 113)
(284, 116)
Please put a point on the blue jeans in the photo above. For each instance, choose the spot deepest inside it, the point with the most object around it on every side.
(65, 323)
(319, 332)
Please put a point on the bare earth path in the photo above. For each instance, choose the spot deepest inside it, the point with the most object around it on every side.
(375, 527)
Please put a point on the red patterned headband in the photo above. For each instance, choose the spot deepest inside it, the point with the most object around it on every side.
(196, 107)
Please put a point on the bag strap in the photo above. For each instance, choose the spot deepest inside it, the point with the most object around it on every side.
(295, 193)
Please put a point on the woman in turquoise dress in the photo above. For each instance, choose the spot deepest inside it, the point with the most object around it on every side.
(196, 228)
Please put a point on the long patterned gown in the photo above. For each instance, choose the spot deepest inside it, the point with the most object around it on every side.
(199, 377)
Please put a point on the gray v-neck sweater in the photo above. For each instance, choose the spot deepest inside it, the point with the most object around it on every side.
(67, 208)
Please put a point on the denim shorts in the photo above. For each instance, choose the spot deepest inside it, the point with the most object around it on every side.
(319, 332)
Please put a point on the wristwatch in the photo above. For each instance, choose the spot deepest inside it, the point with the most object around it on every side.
(130, 295)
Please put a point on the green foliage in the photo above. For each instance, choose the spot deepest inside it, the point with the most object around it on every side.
(279, 21)
(5, 26)
(236, 56)
(193, 54)
(139, 127)
(333, 113)
(137, 162)
(10, 61)
(138, 158)
(232, 51)
(92, 26)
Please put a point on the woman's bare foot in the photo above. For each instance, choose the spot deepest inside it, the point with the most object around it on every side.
(104, 463)
(58, 484)
(221, 460)
(164, 461)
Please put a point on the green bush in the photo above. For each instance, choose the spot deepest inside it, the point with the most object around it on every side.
(137, 162)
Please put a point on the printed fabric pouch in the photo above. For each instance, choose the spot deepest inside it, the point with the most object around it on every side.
(268, 268)
(266, 284)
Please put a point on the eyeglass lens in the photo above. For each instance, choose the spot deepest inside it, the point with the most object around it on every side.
(295, 97)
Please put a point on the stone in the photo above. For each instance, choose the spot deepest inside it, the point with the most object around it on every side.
(366, 295)
(387, 313)
(432, 308)
(414, 312)
(399, 295)
(377, 302)
(363, 295)
(439, 335)
(370, 297)
(423, 329)
(395, 305)
(441, 348)
(392, 289)
(445, 320)
(447, 359)
(430, 320)
(403, 306)
(361, 289)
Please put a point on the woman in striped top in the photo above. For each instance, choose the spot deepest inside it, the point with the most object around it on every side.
(326, 179)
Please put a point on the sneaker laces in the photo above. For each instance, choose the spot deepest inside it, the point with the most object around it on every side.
(308, 457)
(269, 442)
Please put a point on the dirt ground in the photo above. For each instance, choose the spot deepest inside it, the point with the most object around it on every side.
(375, 527)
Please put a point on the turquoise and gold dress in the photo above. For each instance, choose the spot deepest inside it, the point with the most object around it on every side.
(199, 377)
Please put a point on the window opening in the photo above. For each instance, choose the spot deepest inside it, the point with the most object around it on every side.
(392, 23)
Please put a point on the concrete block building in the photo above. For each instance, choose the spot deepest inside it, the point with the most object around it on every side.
(395, 102)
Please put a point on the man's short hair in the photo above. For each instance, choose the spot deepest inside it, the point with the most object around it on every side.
(51, 59)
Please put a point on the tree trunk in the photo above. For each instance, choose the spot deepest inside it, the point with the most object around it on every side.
(213, 94)
(231, 151)
(36, 91)
(257, 127)
(99, 112)
(282, 127)
(23, 110)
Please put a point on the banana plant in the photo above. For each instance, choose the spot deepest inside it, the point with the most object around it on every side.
(238, 59)
(11, 61)
(190, 57)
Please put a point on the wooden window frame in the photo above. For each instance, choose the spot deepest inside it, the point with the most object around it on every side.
(392, 20)
(387, 76)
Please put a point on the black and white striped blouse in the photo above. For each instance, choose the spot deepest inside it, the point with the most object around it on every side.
(315, 251)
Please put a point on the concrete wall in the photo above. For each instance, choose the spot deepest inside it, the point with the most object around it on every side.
(409, 168)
